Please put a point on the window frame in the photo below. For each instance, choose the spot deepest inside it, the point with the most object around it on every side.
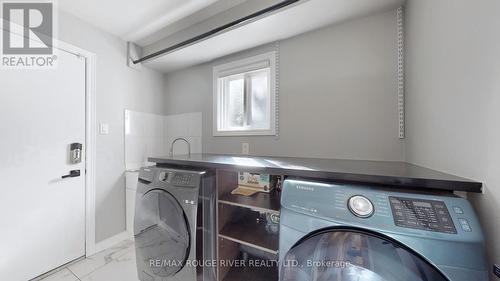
(258, 62)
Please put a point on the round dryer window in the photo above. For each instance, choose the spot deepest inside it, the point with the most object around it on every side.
(161, 234)
(346, 255)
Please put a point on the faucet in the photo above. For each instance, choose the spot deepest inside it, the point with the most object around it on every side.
(172, 146)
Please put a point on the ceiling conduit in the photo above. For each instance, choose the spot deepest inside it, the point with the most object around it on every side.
(215, 31)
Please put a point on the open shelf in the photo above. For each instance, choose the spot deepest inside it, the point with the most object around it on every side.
(250, 232)
(267, 202)
(252, 273)
(242, 230)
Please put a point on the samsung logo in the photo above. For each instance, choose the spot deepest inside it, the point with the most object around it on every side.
(304, 187)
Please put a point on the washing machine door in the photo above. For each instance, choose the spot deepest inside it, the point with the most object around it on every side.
(352, 255)
(162, 237)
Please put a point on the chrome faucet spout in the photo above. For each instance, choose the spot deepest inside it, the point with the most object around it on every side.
(172, 146)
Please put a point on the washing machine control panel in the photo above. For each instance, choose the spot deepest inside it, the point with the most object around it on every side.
(182, 179)
(431, 215)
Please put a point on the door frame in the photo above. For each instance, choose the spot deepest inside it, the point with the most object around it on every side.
(90, 139)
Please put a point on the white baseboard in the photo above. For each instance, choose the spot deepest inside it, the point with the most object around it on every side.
(111, 241)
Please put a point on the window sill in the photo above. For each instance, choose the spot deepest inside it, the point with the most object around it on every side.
(244, 133)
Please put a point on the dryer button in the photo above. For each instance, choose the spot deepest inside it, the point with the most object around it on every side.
(458, 210)
(465, 225)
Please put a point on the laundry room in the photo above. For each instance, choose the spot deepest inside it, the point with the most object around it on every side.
(268, 140)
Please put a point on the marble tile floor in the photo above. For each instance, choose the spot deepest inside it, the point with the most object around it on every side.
(114, 264)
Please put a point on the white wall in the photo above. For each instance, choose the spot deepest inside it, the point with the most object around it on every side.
(118, 87)
(148, 134)
(337, 94)
(144, 136)
(187, 126)
(453, 97)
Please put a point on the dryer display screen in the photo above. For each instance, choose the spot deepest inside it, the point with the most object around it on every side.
(422, 214)
(182, 179)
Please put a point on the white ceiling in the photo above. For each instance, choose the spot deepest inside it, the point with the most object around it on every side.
(147, 21)
(307, 16)
(203, 14)
(132, 20)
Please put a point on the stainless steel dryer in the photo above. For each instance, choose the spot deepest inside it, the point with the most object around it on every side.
(173, 225)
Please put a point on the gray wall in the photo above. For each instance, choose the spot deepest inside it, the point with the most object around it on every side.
(337, 94)
(118, 88)
(453, 97)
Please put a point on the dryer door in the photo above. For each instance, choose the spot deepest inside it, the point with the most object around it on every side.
(352, 255)
(162, 237)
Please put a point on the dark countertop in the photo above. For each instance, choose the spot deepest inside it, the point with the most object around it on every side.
(393, 174)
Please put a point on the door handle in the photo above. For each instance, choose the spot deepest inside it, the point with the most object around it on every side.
(72, 174)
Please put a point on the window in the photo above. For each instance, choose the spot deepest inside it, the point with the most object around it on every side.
(244, 97)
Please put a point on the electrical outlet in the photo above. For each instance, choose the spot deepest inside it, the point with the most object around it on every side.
(496, 270)
(245, 148)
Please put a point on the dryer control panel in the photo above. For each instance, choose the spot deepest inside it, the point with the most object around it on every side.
(166, 177)
(182, 179)
(383, 209)
(431, 215)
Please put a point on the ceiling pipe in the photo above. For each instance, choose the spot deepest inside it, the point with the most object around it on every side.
(238, 22)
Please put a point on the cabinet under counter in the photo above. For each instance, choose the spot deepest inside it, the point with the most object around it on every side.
(245, 232)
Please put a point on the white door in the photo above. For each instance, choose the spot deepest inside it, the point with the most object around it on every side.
(42, 216)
